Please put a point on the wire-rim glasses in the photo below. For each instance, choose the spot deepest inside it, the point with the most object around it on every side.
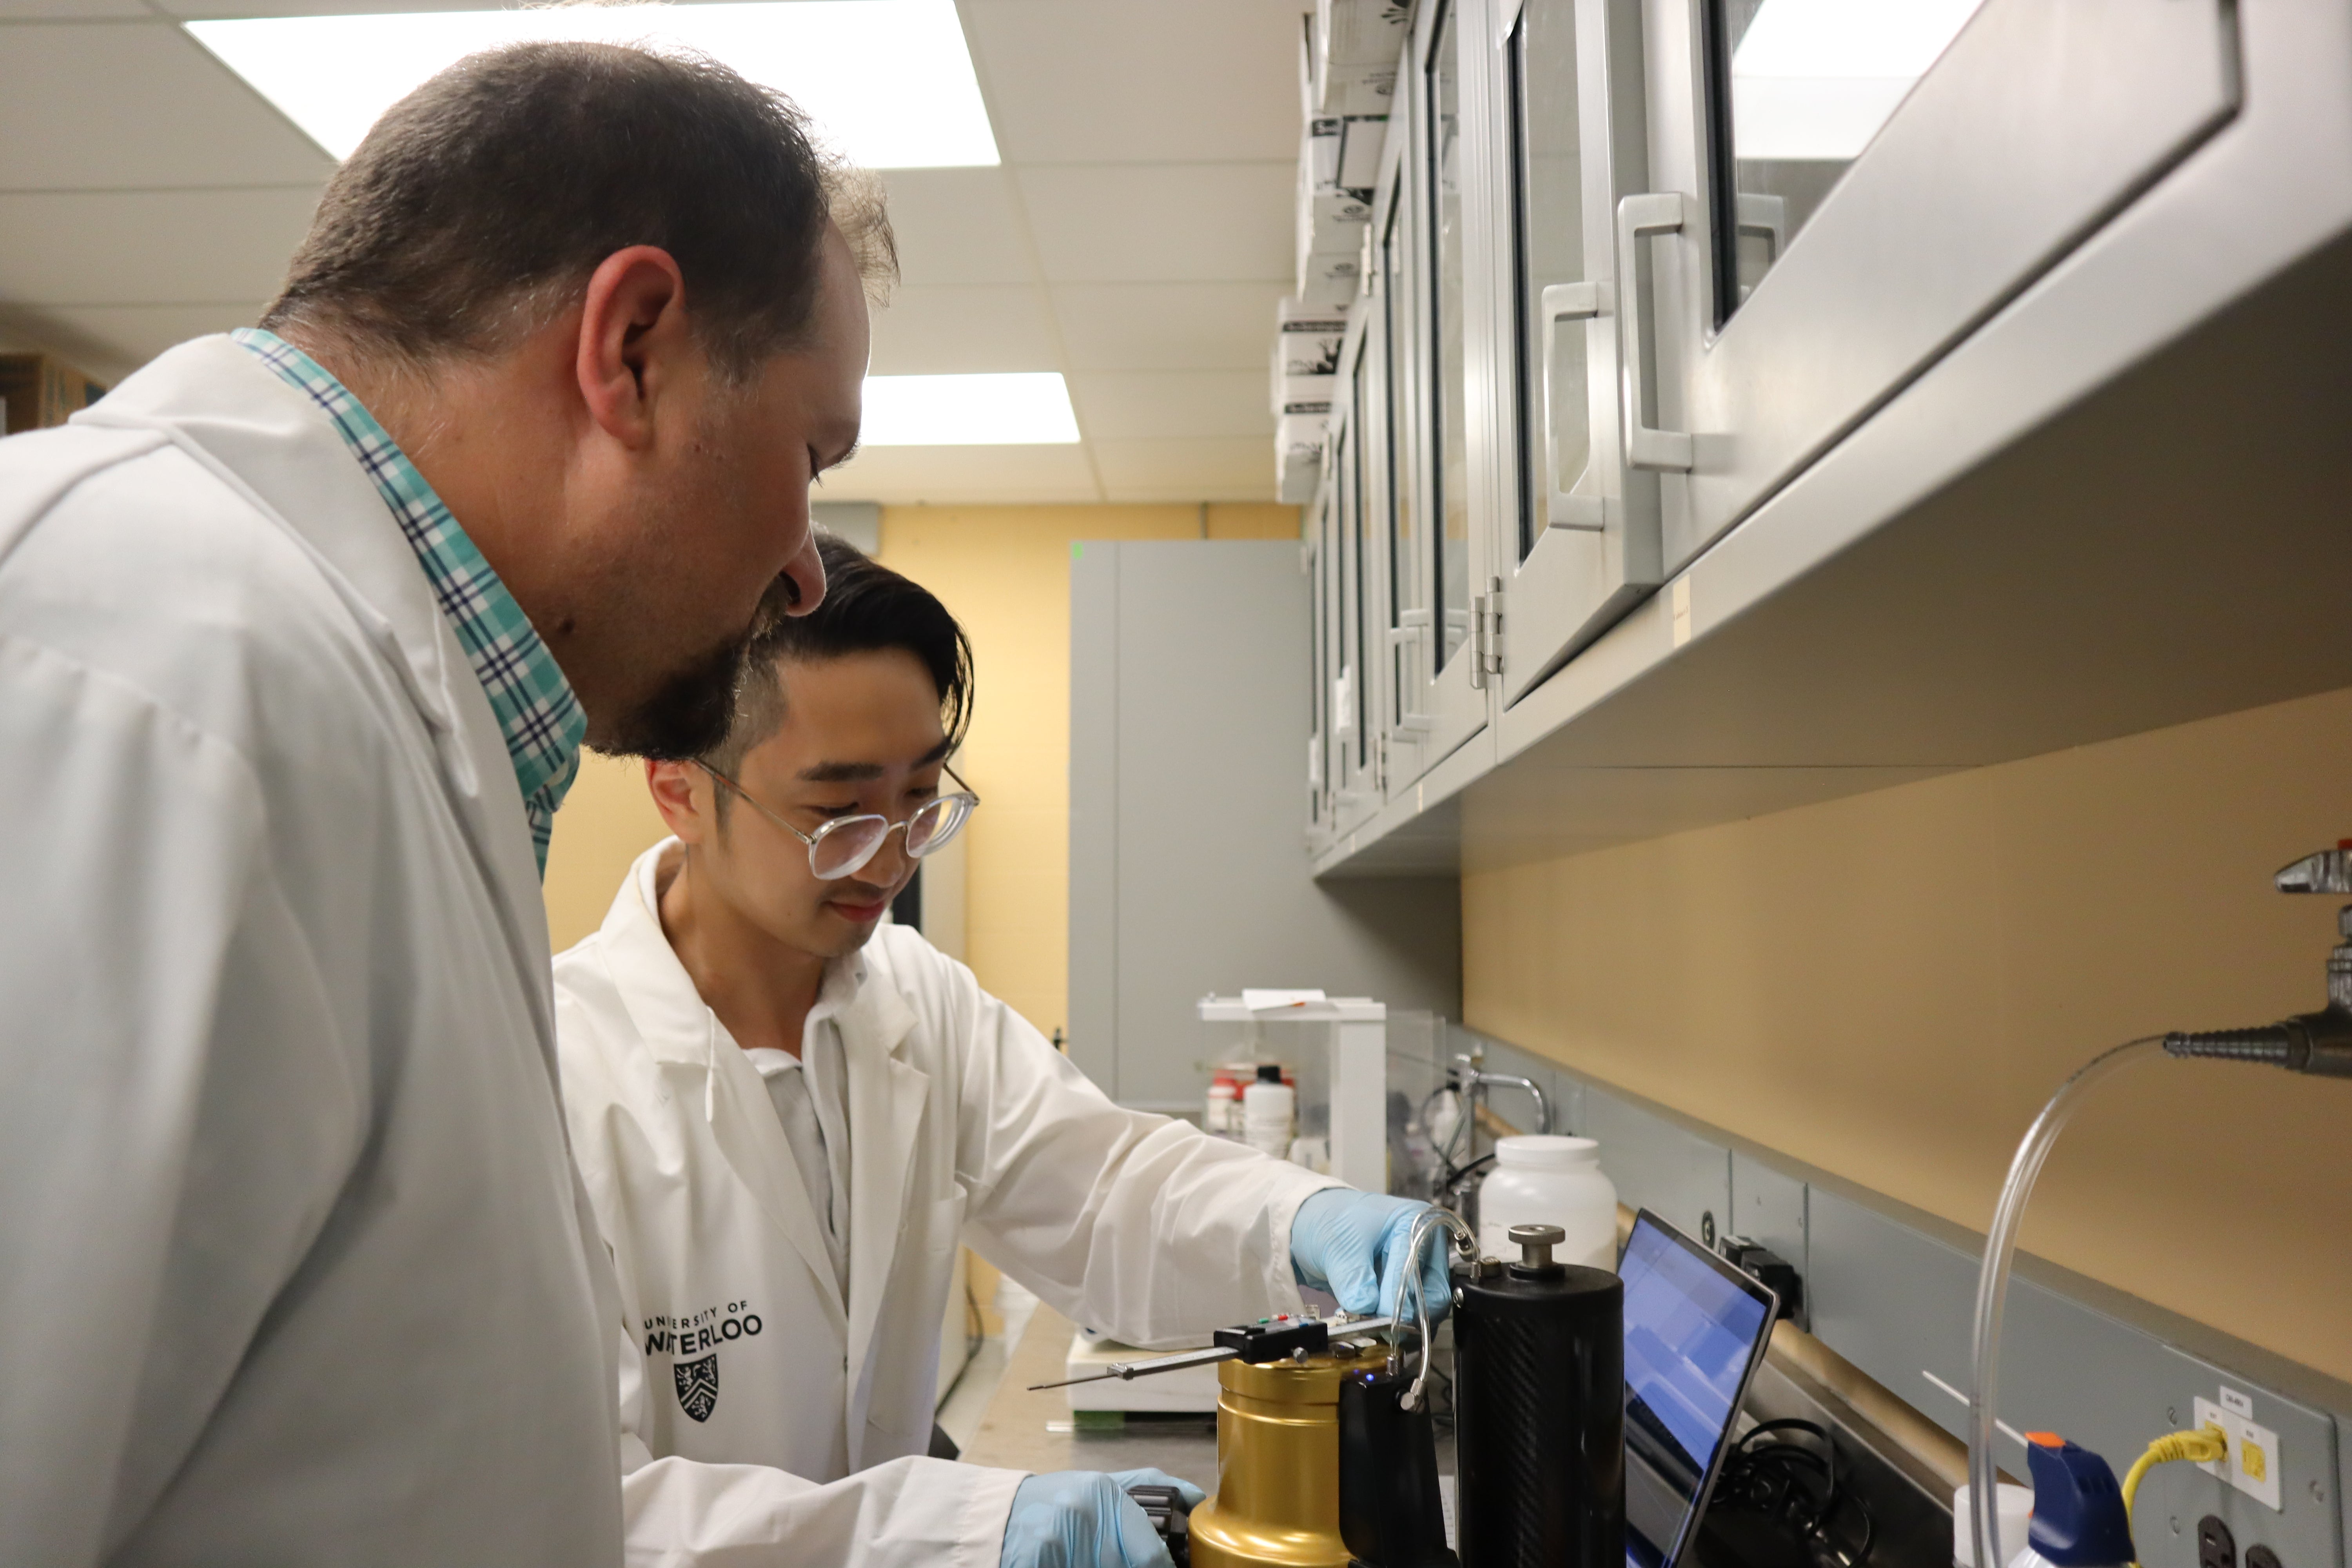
(842, 847)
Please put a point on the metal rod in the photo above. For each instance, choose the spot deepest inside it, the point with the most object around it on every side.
(1126, 1370)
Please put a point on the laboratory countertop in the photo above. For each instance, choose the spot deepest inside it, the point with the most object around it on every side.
(1012, 1432)
(1911, 1507)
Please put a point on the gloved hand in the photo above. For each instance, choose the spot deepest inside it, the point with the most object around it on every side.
(1084, 1519)
(1353, 1243)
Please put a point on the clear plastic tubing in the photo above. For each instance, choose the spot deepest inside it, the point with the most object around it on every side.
(1992, 1285)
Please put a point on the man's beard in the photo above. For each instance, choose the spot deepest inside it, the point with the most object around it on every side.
(690, 713)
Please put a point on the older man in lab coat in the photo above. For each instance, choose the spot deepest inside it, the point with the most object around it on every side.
(789, 1114)
(300, 633)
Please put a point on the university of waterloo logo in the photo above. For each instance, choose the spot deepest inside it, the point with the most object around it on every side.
(697, 1385)
(693, 1341)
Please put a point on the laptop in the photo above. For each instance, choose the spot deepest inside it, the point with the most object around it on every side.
(1696, 1329)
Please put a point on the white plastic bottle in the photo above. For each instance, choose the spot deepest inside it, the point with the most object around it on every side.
(1224, 1092)
(1547, 1179)
(1267, 1106)
(2016, 1520)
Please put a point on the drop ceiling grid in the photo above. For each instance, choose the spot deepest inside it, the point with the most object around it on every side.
(1135, 239)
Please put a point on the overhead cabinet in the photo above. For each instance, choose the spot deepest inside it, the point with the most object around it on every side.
(1840, 195)
(1634, 268)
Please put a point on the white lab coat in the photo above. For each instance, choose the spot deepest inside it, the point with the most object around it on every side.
(965, 1125)
(293, 1262)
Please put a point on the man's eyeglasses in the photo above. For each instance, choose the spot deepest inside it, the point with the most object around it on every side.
(842, 847)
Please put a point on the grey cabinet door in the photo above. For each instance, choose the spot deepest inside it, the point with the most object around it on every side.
(1816, 236)
(1582, 542)
(1189, 705)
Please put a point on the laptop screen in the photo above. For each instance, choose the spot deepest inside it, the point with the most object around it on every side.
(1694, 1328)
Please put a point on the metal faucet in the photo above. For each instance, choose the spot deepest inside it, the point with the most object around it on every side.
(2319, 1042)
(1472, 1082)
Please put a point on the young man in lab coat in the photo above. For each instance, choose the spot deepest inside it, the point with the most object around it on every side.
(300, 633)
(789, 1114)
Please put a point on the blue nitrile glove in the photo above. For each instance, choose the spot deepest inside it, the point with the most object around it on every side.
(1353, 1243)
(1084, 1519)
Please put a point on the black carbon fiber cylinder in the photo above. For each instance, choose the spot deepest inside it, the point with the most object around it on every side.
(1539, 1416)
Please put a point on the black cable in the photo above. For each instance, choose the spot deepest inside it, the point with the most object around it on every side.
(1770, 1472)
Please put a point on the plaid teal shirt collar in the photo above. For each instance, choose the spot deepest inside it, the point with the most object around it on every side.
(538, 714)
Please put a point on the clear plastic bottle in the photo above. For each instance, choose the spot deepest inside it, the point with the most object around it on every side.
(1549, 1179)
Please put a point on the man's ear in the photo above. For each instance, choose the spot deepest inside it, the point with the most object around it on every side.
(635, 345)
(686, 797)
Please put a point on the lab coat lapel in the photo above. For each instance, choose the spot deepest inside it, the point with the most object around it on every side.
(684, 1036)
(886, 1111)
(272, 444)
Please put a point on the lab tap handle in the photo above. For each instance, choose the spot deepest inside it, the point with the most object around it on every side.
(2328, 871)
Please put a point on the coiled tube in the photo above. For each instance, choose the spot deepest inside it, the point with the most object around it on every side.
(1407, 1289)
(1992, 1286)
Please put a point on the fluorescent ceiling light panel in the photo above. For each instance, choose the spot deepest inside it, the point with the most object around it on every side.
(1816, 79)
(967, 411)
(888, 83)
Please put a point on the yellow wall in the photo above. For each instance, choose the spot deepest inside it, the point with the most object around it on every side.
(1005, 572)
(607, 821)
(1889, 987)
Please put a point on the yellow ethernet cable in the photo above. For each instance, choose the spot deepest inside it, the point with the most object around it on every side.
(2203, 1446)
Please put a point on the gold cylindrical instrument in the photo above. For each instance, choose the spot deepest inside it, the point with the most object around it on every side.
(1278, 1503)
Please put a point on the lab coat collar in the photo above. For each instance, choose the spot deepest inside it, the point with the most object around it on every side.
(276, 447)
(670, 1014)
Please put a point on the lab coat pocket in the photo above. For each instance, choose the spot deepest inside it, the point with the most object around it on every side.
(943, 1226)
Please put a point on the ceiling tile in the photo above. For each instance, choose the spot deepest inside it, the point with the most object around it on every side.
(1168, 326)
(149, 248)
(71, 10)
(137, 333)
(1115, 405)
(945, 474)
(1224, 468)
(119, 106)
(956, 225)
(1091, 81)
(945, 330)
(193, 8)
(1172, 222)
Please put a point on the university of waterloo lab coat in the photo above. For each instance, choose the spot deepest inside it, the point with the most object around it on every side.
(965, 1124)
(293, 1262)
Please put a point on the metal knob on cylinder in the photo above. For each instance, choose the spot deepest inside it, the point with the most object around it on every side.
(1539, 1432)
(1535, 1243)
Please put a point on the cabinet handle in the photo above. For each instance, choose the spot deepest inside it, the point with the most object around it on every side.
(1566, 302)
(1413, 627)
(1638, 218)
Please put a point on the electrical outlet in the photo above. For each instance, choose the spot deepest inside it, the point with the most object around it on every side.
(2216, 1547)
(2253, 1463)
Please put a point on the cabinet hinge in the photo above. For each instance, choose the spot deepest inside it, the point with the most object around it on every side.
(1486, 634)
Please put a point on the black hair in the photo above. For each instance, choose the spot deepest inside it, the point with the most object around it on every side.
(866, 608)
